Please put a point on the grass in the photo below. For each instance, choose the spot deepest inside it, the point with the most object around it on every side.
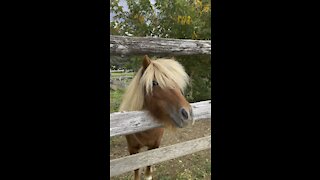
(116, 95)
(115, 100)
(191, 167)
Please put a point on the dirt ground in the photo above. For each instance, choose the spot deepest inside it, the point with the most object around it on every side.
(191, 167)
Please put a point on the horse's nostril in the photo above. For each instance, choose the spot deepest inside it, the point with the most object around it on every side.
(184, 113)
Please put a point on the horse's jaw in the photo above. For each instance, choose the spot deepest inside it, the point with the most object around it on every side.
(178, 121)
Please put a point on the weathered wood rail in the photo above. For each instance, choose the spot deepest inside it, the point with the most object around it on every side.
(119, 82)
(117, 71)
(124, 45)
(122, 123)
(121, 77)
(132, 162)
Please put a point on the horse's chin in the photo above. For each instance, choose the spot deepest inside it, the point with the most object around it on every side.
(181, 125)
(178, 122)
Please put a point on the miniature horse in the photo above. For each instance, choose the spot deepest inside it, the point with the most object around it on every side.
(157, 89)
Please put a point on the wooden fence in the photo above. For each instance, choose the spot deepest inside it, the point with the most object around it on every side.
(121, 70)
(119, 82)
(122, 123)
(120, 78)
(116, 71)
(120, 45)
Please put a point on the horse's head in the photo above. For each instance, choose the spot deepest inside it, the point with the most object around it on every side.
(164, 82)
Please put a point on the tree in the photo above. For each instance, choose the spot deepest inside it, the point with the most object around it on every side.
(179, 19)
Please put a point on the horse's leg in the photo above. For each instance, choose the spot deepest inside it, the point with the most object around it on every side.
(133, 148)
(148, 175)
(159, 134)
(136, 172)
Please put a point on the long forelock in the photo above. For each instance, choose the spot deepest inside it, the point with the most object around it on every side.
(167, 72)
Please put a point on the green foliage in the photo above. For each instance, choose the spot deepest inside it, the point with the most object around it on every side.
(180, 19)
(115, 100)
(135, 63)
(199, 70)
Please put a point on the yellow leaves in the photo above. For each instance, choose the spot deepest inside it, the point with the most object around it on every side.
(188, 20)
(139, 17)
(179, 19)
(194, 35)
(202, 8)
(198, 3)
(184, 20)
(117, 29)
(206, 8)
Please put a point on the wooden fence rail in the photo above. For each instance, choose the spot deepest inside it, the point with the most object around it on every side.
(116, 71)
(122, 123)
(147, 158)
(124, 45)
(121, 77)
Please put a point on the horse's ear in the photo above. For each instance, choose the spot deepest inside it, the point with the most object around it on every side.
(146, 61)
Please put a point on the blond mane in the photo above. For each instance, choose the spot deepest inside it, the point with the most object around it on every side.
(167, 72)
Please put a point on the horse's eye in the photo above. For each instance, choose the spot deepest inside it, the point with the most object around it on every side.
(155, 83)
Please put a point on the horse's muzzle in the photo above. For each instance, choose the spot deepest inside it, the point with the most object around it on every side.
(183, 117)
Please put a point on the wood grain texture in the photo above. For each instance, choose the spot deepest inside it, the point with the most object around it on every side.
(143, 159)
(122, 123)
(124, 45)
